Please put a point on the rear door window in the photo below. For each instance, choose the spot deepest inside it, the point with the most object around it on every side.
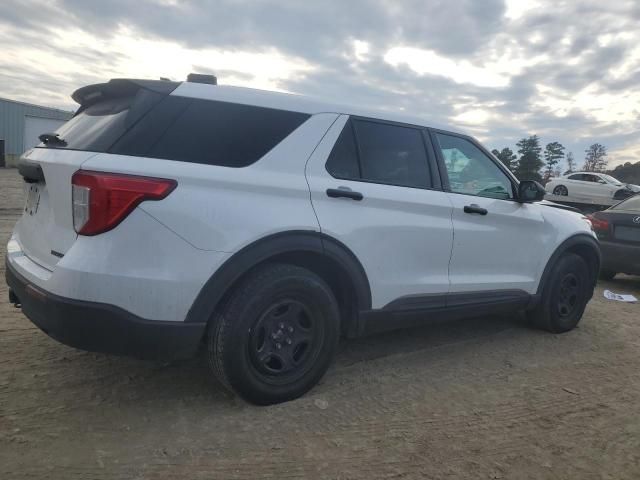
(376, 152)
(392, 154)
(343, 161)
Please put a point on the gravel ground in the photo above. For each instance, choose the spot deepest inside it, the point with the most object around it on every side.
(484, 398)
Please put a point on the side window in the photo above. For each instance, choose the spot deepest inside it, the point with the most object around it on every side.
(577, 176)
(392, 154)
(472, 172)
(343, 160)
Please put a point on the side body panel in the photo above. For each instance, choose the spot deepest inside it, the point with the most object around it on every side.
(500, 250)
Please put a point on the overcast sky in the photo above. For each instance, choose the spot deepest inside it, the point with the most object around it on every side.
(565, 70)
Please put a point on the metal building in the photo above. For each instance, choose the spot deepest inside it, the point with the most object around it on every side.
(20, 125)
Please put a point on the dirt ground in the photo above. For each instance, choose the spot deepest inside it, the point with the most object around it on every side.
(484, 398)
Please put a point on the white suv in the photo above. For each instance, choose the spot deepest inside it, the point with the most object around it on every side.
(165, 217)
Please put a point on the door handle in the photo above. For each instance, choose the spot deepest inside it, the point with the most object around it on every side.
(343, 192)
(473, 208)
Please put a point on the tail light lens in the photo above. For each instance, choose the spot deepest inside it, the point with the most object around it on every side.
(598, 224)
(102, 200)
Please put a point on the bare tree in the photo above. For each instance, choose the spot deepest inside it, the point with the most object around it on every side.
(571, 163)
(595, 159)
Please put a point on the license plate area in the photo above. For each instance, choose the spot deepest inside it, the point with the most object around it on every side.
(33, 198)
(628, 234)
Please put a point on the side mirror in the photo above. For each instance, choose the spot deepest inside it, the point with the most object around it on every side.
(530, 191)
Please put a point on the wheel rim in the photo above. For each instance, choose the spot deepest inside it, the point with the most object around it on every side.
(568, 295)
(560, 190)
(284, 341)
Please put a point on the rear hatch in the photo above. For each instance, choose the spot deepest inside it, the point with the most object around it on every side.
(45, 230)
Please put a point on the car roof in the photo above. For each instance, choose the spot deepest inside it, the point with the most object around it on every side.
(296, 103)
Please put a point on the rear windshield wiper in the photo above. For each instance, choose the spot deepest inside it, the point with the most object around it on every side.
(52, 139)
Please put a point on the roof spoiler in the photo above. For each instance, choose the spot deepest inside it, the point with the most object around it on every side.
(119, 87)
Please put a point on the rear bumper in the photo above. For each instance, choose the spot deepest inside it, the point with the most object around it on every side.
(620, 257)
(98, 327)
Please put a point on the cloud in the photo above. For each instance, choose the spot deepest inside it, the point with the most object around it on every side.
(565, 70)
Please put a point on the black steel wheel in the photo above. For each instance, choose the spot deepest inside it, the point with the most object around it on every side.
(285, 340)
(561, 190)
(276, 335)
(568, 295)
(564, 296)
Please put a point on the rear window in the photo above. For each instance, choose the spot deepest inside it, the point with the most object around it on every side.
(632, 203)
(98, 126)
(179, 128)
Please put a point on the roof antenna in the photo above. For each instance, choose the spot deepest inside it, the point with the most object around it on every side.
(202, 78)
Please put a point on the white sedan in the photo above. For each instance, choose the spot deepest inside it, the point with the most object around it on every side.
(590, 184)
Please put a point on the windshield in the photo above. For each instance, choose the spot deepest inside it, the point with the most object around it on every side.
(610, 179)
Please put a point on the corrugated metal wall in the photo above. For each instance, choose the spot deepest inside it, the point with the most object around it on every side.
(12, 122)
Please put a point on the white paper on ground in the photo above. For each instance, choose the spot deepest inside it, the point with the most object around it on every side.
(609, 295)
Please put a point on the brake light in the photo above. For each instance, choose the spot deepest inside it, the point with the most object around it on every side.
(102, 200)
(598, 224)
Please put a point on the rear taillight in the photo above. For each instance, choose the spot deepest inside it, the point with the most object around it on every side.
(102, 200)
(598, 224)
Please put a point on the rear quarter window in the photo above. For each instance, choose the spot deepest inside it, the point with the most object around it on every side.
(213, 133)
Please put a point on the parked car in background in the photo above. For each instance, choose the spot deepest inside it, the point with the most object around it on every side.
(167, 217)
(618, 229)
(590, 184)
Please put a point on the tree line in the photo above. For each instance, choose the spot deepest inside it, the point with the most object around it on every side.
(532, 162)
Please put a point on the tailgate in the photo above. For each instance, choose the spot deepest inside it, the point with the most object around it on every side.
(45, 230)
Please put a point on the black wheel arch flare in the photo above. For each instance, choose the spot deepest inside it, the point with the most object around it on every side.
(272, 247)
(581, 244)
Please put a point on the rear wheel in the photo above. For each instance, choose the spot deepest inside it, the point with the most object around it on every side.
(565, 295)
(276, 335)
(561, 190)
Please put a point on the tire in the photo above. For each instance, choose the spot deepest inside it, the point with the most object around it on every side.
(607, 274)
(565, 295)
(275, 336)
(561, 190)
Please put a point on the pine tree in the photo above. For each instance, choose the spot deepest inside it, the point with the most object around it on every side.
(530, 162)
(553, 152)
(507, 157)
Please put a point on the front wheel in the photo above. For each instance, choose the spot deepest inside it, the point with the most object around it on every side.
(276, 335)
(565, 295)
